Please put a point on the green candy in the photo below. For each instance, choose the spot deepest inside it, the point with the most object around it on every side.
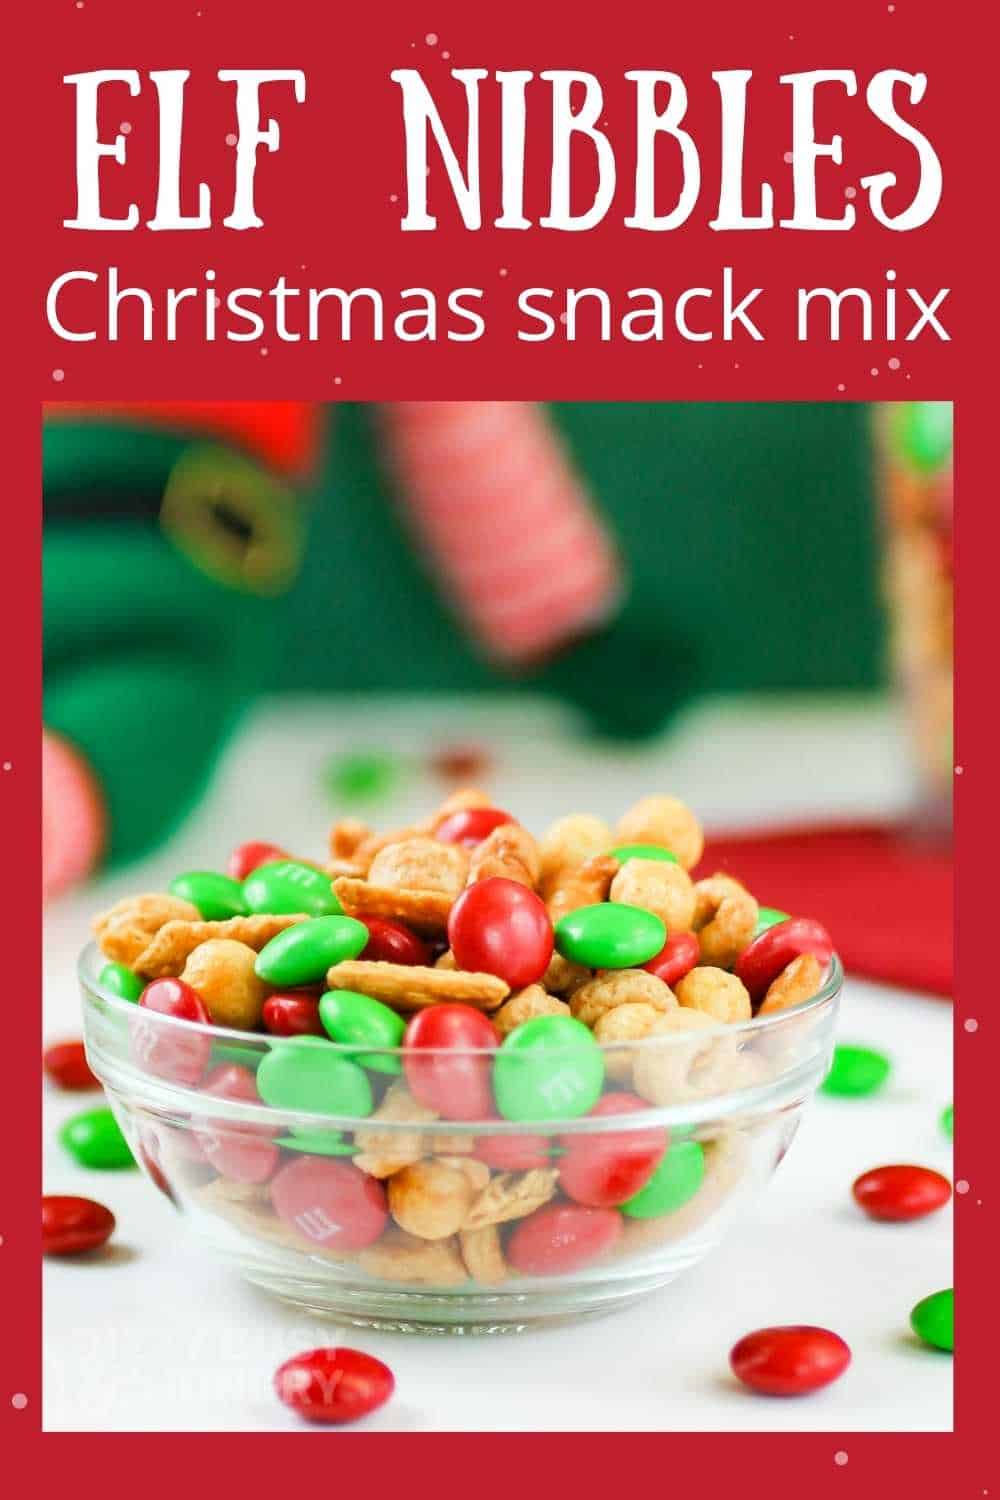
(94, 1139)
(247, 1057)
(305, 1073)
(351, 1018)
(216, 896)
(947, 1121)
(856, 1071)
(642, 851)
(933, 1319)
(286, 886)
(548, 1068)
(610, 935)
(924, 433)
(362, 776)
(768, 916)
(331, 1143)
(677, 1178)
(303, 953)
(120, 981)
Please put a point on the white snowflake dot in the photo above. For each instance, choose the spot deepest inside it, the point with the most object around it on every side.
(961, 1186)
(19, 1401)
(58, 375)
(789, 157)
(841, 386)
(446, 56)
(232, 138)
(972, 1024)
(338, 380)
(125, 127)
(894, 363)
(503, 270)
(263, 352)
(874, 369)
(431, 39)
(840, 1457)
(8, 766)
(850, 192)
(958, 769)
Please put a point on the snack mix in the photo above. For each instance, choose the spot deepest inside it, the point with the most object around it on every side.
(430, 982)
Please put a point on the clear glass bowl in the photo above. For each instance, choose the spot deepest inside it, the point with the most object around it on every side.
(277, 1192)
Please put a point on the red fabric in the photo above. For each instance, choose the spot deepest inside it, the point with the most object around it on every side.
(885, 896)
(285, 434)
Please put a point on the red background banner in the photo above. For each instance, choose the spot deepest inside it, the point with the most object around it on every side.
(326, 198)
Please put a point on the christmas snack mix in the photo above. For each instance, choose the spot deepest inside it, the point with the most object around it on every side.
(449, 1004)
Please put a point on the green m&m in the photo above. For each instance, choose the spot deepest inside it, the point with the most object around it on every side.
(318, 1143)
(548, 1068)
(768, 916)
(947, 1121)
(643, 851)
(120, 981)
(287, 886)
(933, 1319)
(303, 953)
(677, 1178)
(306, 1074)
(216, 896)
(94, 1139)
(856, 1071)
(610, 935)
(358, 1019)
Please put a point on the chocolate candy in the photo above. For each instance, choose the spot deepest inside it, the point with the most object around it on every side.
(759, 965)
(216, 896)
(288, 887)
(170, 1052)
(947, 1121)
(334, 1385)
(643, 851)
(356, 1019)
(856, 1071)
(393, 943)
(498, 926)
(292, 1015)
(470, 825)
(66, 1064)
(674, 1181)
(249, 857)
(94, 1139)
(362, 775)
(330, 1203)
(899, 1193)
(305, 1073)
(561, 1238)
(72, 1226)
(933, 1319)
(610, 935)
(789, 1361)
(119, 980)
(676, 958)
(303, 953)
(604, 1171)
(548, 1068)
(440, 1071)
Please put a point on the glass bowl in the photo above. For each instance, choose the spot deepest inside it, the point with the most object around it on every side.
(494, 1237)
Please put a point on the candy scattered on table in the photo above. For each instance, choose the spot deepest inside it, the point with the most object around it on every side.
(900, 1193)
(856, 1072)
(120, 980)
(94, 1139)
(334, 1385)
(947, 1121)
(65, 1063)
(933, 1320)
(789, 1361)
(459, 763)
(74, 1226)
(363, 776)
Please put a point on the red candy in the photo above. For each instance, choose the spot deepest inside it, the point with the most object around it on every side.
(438, 1067)
(244, 860)
(561, 1238)
(499, 926)
(292, 1015)
(602, 1171)
(239, 1155)
(514, 1153)
(769, 955)
(330, 1202)
(789, 1361)
(901, 1192)
(71, 1226)
(166, 1050)
(470, 825)
(676, 958)
(334, 1385)
(392, 943)
(231, 1081)
(66, 1064)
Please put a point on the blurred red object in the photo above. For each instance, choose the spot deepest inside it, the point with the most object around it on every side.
(885, 896)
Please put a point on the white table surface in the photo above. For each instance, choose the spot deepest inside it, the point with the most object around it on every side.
(154, 1334)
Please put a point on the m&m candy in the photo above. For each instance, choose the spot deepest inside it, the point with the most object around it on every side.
(548, 1068)
(334, 1385)
(899, 1193)
(290, 887)
(73, 1226)
(447, 1058)
(499, 926)
(789, 1361)
(933, 1319)
(94, 1139)
(610, 935)
(303, 953)
(856, 1071)
(216, 896)
(358, 1020)
(65, 1063)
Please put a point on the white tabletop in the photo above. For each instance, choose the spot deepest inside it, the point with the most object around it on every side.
(153, 1334)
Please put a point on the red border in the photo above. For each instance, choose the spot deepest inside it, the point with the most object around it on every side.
(957, 252)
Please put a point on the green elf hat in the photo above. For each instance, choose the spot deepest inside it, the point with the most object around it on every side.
(172, 531)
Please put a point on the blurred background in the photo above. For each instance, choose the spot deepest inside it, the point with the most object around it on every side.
(259, 617)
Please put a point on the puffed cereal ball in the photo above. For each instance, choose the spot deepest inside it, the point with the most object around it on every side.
(715, 993)
(672, 1070)
(222, 972)
(620, 987)
(659, 887)
(420, 864)
(430, 1199)
(666, 821)
(569, 841)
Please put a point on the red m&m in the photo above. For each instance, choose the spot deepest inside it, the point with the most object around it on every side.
(561, 1238)
(71, 1226)
(602, 1171)
(66, 1064)
(676, 958)
(330, 1203)
(470, 825)
(249, 857)
(334, 1385)
(392, 942)
(498, 926)
(759, 965)
(448, 1063)
(789, 1361)
(899, 1193)
(170, 1051)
